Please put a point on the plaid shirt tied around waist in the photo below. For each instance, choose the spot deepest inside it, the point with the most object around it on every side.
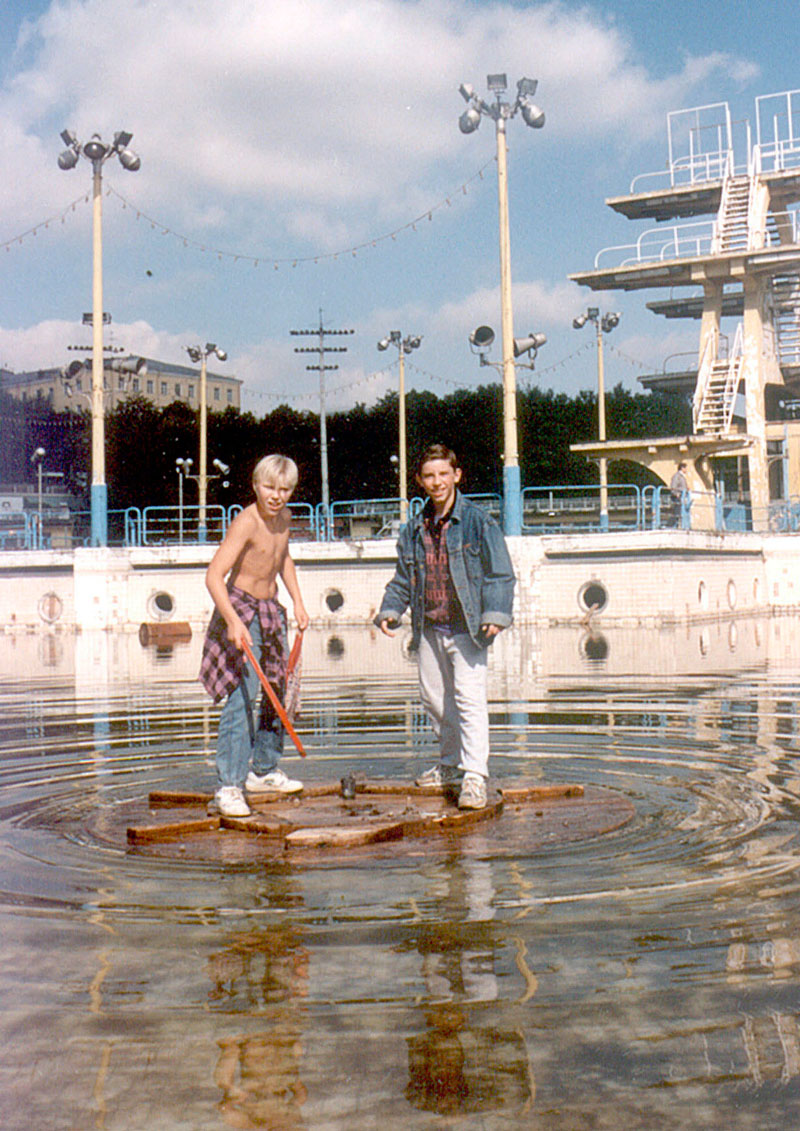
(222, 664)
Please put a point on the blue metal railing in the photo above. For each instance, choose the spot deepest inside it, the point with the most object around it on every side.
(560, 508)
(555, 509)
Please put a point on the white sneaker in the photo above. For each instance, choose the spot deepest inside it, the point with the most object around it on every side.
(439, 775)
(274, 782)
(473, 792)
(230, 802)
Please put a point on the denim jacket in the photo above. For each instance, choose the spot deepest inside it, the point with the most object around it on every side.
(480, 567)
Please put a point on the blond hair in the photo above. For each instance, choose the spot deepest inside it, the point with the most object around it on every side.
(276, 469)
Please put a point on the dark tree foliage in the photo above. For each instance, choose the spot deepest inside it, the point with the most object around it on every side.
(143, 442)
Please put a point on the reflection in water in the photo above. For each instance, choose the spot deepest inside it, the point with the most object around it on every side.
(650, 977)
(460, 1064)
(262, 975)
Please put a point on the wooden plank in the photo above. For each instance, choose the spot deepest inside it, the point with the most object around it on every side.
(338, 837)
(257, 823)
(175, 829)
(166, 798)
(540, 792)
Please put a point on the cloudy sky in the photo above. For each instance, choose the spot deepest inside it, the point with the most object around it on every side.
(292, 152)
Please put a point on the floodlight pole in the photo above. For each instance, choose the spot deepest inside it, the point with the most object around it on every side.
(603, 324)
(200, 353)
(404, 346)
(512, 485)
(500, 111)
(98, 152)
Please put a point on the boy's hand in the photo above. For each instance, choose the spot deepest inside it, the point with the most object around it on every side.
(491, 630)
(301, 616)
(237, 632)
(388, 624)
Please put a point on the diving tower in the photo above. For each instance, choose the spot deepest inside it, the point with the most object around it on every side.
(734, 254)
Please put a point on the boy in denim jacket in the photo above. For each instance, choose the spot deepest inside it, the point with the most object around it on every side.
(455, 574)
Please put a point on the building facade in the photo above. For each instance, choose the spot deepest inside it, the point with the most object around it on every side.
(159, 381)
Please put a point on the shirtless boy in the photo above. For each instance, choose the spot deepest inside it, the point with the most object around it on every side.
(253, 554)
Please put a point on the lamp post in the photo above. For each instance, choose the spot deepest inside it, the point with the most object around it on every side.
(603, 324)
(469, 121)
(184, 466)
(37, 458)
(98, 152)
(201, 353)
(404, 346)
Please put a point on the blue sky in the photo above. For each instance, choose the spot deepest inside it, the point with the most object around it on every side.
(300, 131)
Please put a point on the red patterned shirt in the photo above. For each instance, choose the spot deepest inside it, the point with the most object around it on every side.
(442, 606)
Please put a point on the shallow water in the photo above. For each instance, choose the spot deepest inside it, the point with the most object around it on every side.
(649, 977)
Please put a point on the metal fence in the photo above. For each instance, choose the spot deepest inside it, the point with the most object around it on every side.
(555, 509)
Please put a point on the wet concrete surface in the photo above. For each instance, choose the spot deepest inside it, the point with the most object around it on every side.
(648, 975)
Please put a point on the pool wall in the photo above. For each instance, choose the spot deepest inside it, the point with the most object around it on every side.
(648, 578)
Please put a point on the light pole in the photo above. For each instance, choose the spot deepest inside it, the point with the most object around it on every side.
(404, 346)
(201, 353)
(37, 458)
(184, 466)
(603, 325)
(98, 152)
(469, 121)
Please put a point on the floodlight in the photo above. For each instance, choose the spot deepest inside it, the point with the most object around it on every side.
(527, 87)
(221, 467)
(579, 322)
(466, 90)
(532, 115)
(482, 338)
(68, 159)
(469, 120)
(221, 354)
(130, 160)
(122, 139)
(497, 83)
(384, 343)
(95, 149)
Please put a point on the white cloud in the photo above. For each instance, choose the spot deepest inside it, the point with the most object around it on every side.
(336, 107)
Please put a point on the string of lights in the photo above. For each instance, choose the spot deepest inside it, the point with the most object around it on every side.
(62, 216)
(297, 260)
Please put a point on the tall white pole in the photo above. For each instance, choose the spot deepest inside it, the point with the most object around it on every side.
(202, 478)
(601, 428)
(403, 463)
(512, 498)
(99, 490)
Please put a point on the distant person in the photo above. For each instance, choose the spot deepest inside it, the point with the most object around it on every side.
(253, 554)
(454, 572)
(677, 486)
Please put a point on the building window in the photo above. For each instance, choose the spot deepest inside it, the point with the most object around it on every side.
(136, 384)
(177, 388)
(79, 384)
(50, 393)
(230, 396)
(150, 387)
(163, 388)
(216, 392)
(120, 382)
(191, 392)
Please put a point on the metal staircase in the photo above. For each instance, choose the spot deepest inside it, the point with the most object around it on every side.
(718, 381)
(732, 230)
(786, 306)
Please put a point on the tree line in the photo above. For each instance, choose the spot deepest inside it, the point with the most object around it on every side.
(143, 442)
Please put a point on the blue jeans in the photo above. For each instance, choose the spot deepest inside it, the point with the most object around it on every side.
(242, 736)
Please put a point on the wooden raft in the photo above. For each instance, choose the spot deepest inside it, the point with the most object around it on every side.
(320, 817)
